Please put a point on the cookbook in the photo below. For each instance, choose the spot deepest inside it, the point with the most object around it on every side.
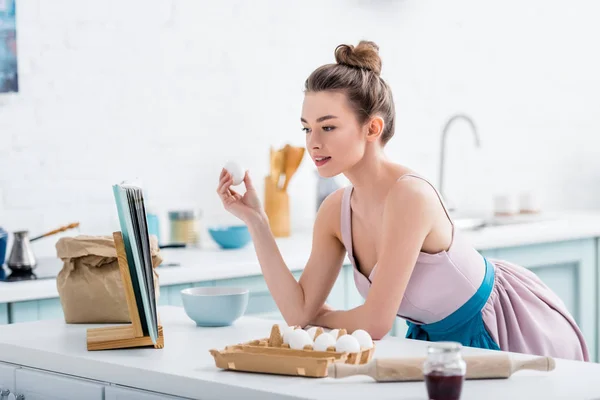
(129, 199)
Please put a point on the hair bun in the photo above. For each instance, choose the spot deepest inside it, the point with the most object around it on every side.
(365, 55)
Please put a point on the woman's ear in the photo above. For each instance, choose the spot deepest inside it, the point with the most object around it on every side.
(375, 128)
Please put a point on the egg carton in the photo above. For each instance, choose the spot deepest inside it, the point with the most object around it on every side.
(272, 356)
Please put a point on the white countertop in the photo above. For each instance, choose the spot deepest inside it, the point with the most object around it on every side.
(212, 263)
(184, 367)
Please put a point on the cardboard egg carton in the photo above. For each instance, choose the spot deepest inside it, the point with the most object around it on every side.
(272, 356)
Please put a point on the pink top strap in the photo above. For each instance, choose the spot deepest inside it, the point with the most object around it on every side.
(436, 192)
(346, 220)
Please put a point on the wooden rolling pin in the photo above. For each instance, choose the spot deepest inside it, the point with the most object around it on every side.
(410, 369)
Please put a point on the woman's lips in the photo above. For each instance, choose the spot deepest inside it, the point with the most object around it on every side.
(320, 161)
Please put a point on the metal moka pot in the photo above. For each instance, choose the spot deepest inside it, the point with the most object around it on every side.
(21, 256)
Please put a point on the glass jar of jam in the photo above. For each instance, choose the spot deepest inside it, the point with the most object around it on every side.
(444, 371)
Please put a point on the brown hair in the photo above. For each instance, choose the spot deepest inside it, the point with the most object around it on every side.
(357, 73)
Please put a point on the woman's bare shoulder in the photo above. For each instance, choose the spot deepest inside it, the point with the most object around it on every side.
(329, 214)
(413, 192)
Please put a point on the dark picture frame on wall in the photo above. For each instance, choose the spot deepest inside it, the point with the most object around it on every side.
(9, 76)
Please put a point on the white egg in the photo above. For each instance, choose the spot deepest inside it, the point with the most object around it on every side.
(363, 337)
(335, 333)
(285, 332)
(236, 171)
(312, 331)
(347, 343)
(299, 338)
(323, 341)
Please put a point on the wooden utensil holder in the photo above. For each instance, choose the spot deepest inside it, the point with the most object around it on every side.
(129, 335)
(277, 208)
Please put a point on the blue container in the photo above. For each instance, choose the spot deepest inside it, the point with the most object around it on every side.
(231, 237)
(3, 244)
(153, 225)
(215, 306)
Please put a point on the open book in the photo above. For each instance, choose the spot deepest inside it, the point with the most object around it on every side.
(132, 217)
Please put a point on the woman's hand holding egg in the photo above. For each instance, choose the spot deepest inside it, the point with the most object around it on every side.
(246, 207)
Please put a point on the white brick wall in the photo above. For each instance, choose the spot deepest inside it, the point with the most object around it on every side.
(168, 90)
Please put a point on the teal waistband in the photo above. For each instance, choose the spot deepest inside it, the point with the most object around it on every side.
(464, 325)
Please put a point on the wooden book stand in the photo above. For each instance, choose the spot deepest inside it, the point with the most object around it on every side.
(123, 336)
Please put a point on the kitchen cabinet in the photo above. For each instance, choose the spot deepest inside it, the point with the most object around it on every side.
(7, 378)
(122, 393)
(34, 310)
(4, 313)
(38, 385)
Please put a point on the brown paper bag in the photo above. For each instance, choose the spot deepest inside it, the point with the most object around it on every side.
(89, 284)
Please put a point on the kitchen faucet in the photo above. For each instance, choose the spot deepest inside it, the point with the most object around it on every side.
(443, 149)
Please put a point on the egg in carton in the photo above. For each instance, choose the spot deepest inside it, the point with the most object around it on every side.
(361, 355)
(273, 356)
(355, 354)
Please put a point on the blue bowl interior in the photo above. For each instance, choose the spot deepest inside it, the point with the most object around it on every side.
(215, 306)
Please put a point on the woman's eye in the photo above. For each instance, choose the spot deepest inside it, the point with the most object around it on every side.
(328, 128)
(306, 130)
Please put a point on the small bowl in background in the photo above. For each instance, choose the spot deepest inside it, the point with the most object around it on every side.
(230, 237)
(215, 306)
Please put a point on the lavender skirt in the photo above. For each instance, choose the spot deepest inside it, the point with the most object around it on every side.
(523, 315)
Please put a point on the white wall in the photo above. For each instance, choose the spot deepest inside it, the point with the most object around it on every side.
(168, 90)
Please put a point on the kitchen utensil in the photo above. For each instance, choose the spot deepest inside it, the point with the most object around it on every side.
(230, 237)
(293, 158)
(172, 246)
(277, 208)
(411, 369)
(21, 256)
(3, 244)
(277, 203)
(215, 306)
(277, 162)
(61, 229)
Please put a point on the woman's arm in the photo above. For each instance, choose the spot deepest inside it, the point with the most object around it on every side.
(299, 301)
(409, 214)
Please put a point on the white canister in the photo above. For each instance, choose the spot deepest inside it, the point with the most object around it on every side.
(504, 204)
(528, 203)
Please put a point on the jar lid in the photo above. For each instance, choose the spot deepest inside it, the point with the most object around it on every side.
(183, 214)
(444, 347)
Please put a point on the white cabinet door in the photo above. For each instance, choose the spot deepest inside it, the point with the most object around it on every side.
(121, 393)
(38, 385)
(7, 377)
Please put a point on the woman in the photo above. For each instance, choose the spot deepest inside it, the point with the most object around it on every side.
(409, 260)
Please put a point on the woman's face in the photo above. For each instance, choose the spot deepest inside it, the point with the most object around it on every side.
(334, 138)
